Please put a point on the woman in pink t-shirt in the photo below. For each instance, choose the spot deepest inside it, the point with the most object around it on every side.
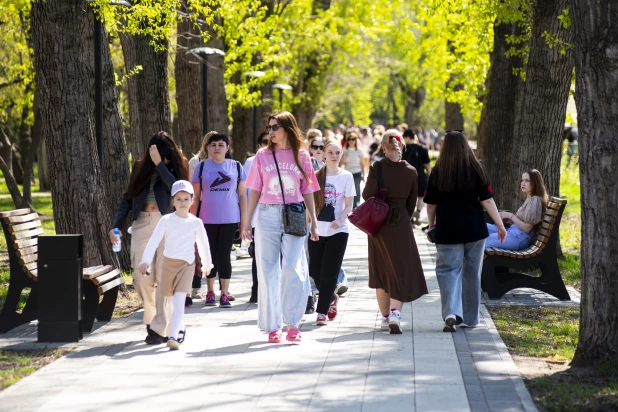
(284, 286)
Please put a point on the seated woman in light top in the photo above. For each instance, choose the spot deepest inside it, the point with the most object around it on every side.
(528, 216)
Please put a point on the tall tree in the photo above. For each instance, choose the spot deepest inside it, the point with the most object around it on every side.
(595, 26)
(541, 107)
(81, 193)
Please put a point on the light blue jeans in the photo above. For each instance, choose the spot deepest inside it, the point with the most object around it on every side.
(516, 239)
(282, 295)
(458, 269)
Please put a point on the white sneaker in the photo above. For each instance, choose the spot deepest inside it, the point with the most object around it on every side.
(449, 323)
(173, 344)
(195, 293)
(394, 324)
(384, 325)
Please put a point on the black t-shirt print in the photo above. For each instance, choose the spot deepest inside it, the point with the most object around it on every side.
(327, 214)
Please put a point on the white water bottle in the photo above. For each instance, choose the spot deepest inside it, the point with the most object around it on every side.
(117, 246)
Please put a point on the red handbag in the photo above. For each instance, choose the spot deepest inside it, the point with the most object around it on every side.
(370, 216)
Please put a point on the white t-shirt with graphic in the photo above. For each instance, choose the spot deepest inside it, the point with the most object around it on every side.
(338, 187)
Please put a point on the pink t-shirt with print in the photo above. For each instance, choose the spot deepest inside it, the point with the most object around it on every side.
(263, 176)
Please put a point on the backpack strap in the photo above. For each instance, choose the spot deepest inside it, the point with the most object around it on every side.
(238, 171)
(199, 204)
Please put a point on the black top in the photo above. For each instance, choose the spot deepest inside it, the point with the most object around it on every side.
(459, 215)
(417, 156)
(162, 191)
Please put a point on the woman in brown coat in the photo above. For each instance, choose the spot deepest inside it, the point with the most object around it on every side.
(395, 270)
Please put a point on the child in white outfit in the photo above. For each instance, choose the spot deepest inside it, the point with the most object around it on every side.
(181, 231)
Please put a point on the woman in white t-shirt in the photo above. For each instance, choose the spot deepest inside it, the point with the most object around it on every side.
(355, 161)
(333, 203)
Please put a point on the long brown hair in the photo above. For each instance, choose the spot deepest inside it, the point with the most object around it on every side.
(456, 165)
(537, 187)
(295, 135)
(145, 167)
(318, 197)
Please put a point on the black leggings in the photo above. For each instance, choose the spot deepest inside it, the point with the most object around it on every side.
(325, 258)
(221, 238)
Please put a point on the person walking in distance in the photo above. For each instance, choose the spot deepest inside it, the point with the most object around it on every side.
(333, 203)
(395, 270)
(146, 200)
(281, 173)
(457, 191)
(179, 231)
(355, 161)
(418, 157)
(222, 201)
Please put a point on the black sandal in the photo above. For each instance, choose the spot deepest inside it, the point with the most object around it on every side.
(181, 336)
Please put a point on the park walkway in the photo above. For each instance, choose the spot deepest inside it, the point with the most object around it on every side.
(226, 364)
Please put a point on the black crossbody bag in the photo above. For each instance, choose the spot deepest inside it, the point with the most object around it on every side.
(294, 219)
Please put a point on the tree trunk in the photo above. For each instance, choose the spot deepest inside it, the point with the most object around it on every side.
(41, 156)
(35, 140)
(64, 73)
(499, 117)
(217, 101)
(541, 108)
(453, 118)
(188, 72)
(11, 184)
(149, 102)
(242, 131)
(595, 26)
(304, 116)
(25, 141)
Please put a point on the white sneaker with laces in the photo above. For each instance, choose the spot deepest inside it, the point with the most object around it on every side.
(449, 323)
(384, 324)
(394, 324)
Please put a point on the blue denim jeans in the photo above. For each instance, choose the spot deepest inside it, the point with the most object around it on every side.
(282, 295)
(458, 269)
(516, 239)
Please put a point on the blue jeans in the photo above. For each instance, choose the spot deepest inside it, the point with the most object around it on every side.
(516, 239)
(458, 269)
(282, 295)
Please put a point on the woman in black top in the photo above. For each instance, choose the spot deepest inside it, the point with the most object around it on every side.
(146, 199)
(457, 191)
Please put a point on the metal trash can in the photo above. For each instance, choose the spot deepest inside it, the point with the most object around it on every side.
(60, 294)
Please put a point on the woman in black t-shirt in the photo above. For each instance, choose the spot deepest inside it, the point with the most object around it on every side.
(457, 191)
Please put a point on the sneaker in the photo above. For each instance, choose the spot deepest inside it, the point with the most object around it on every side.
(231, 297)
(211, 299)
(384, 324)
(253, 299)
(449, 324)
(195, 293)
(332, 310)
(341, 289)
(154, 338)
(310, 305)
(224, 302)
(321, 320)
(173, 344)
(188, 302)
(394, 324)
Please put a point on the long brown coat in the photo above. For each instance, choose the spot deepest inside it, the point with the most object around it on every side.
(394, 262)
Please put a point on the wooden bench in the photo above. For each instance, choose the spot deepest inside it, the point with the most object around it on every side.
(497, 279)
(21, 230)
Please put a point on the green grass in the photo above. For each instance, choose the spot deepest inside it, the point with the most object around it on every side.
(34, 187)
(551, 334)
(15, 365)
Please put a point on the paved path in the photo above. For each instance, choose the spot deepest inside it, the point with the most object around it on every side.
(225, 364)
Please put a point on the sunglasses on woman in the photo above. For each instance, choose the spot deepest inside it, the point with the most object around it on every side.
(317, 147)
(264, 142)
(274, 127)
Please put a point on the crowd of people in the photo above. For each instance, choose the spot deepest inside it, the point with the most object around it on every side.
(292, 200)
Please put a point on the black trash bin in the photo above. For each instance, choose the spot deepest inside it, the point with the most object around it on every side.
(60, 279)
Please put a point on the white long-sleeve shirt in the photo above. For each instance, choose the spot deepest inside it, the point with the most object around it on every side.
(179, 235)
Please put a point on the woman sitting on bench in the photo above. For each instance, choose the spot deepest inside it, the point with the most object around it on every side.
(529, 215)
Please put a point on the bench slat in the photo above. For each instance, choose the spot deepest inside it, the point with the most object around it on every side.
(28, 259)
(96, 271)
(26, 251)
(545, 232)
(24, 226)
(21, 219)
(33, 274)
(25, 243)
(110, 285)
(551, 212)
(547, 226)
(104, 278)
(490, 251)
(17, 212)
(558, 200)
(553, 206)
(29, 267)
(27, 234)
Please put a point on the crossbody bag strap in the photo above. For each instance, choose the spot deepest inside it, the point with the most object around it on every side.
(199, 204)
(279, 174)
(238, 171)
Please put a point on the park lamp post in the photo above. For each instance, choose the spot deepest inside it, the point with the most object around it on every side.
(203, 53)
(281, 87)
(98, 79)
(255, 74)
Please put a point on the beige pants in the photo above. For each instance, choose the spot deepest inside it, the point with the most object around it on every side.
(177, 276)
(157, 309)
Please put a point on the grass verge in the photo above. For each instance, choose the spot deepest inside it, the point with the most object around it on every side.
(548, 336)
(16, 365)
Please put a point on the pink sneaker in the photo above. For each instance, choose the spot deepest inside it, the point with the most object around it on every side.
(332, 311)
(322, 320)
